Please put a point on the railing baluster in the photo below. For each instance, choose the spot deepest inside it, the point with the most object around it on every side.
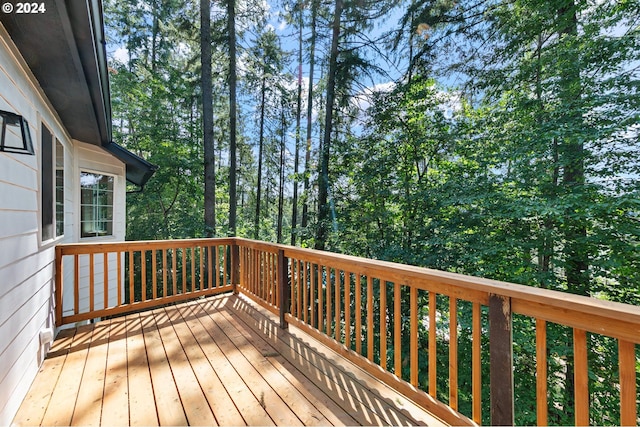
(347, 309)
(541, 373)
(383, 324)
(300, 288)
(432, 344)
(267, 267)
(143, 280)
(202, 281)
(321, 312)
(193, 282)
(370, 315)
(305, 290)
(476, 363)
(336, 304)
(164, 273)
(274, 264)
(268, 295)
(105, 280)
(174, 270)
(313, 284)
(183, 264)
(120, 256)
(216, 268)
(256, 272)
(210, 266)
(397, 329)
(581, 378)
(293, 286)
(91, 283)
(235, 267)
(225, 258)
(154, 275)
(414, 335)
(453, 353)
(358, 313)
(627, 367)
(131, 278)
(328, 299)
(76, 283)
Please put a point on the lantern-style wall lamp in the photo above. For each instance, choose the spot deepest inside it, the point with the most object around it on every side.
(14, 134)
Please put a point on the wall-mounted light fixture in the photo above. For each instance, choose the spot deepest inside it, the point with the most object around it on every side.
(14, 134)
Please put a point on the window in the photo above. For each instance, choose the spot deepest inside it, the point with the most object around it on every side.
(96, 205)
(46, 188)
(59, 189)
(52, 186)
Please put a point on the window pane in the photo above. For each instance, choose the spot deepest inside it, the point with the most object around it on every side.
(46, 183)
(96, 207)
(59, 189)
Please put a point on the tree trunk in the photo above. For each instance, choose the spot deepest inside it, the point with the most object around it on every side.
(231, 23)
(281, 170)
(572, 158)
(294, 214)
(307, 159)
(207, 121)
(256, 222)
(323, 180)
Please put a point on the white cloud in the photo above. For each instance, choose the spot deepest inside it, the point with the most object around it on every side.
(121, 55)
(363, 99)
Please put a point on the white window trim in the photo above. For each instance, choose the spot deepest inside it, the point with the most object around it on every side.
(111, 236)
(65, 167)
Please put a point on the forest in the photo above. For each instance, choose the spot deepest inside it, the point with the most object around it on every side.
(495, 138)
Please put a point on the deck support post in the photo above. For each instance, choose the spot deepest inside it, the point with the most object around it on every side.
(284, 290)
(235, 267)
(58, 287)
(501, 360)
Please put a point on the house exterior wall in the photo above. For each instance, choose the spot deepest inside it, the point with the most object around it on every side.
(26, 261)
(92, 159)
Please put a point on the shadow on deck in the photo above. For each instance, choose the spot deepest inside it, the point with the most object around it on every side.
(220, 360)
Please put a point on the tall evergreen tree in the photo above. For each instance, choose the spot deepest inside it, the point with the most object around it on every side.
(207, 119)
(233, 116)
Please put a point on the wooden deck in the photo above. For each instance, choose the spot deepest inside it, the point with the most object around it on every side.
(215, 361)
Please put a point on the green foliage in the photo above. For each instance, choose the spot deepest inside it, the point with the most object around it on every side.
(508, 150)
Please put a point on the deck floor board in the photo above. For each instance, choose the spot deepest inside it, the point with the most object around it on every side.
(214, 361)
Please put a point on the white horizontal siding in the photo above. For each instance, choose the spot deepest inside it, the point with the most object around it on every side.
(20, 171)
(27, 263)
(14, 250)
(16, 198)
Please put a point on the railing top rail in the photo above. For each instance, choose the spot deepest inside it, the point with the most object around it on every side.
(99, 247)
(601, 316)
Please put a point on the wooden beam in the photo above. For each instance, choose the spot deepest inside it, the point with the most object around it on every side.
(501, 360)
(58, 287)
(284, 290)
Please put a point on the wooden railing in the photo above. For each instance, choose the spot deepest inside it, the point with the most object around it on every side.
(413, 328)
(106, 279)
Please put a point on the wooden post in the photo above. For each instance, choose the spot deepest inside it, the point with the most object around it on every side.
(501, 360)
(284, 291)
(58, 286)
(235, 267)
